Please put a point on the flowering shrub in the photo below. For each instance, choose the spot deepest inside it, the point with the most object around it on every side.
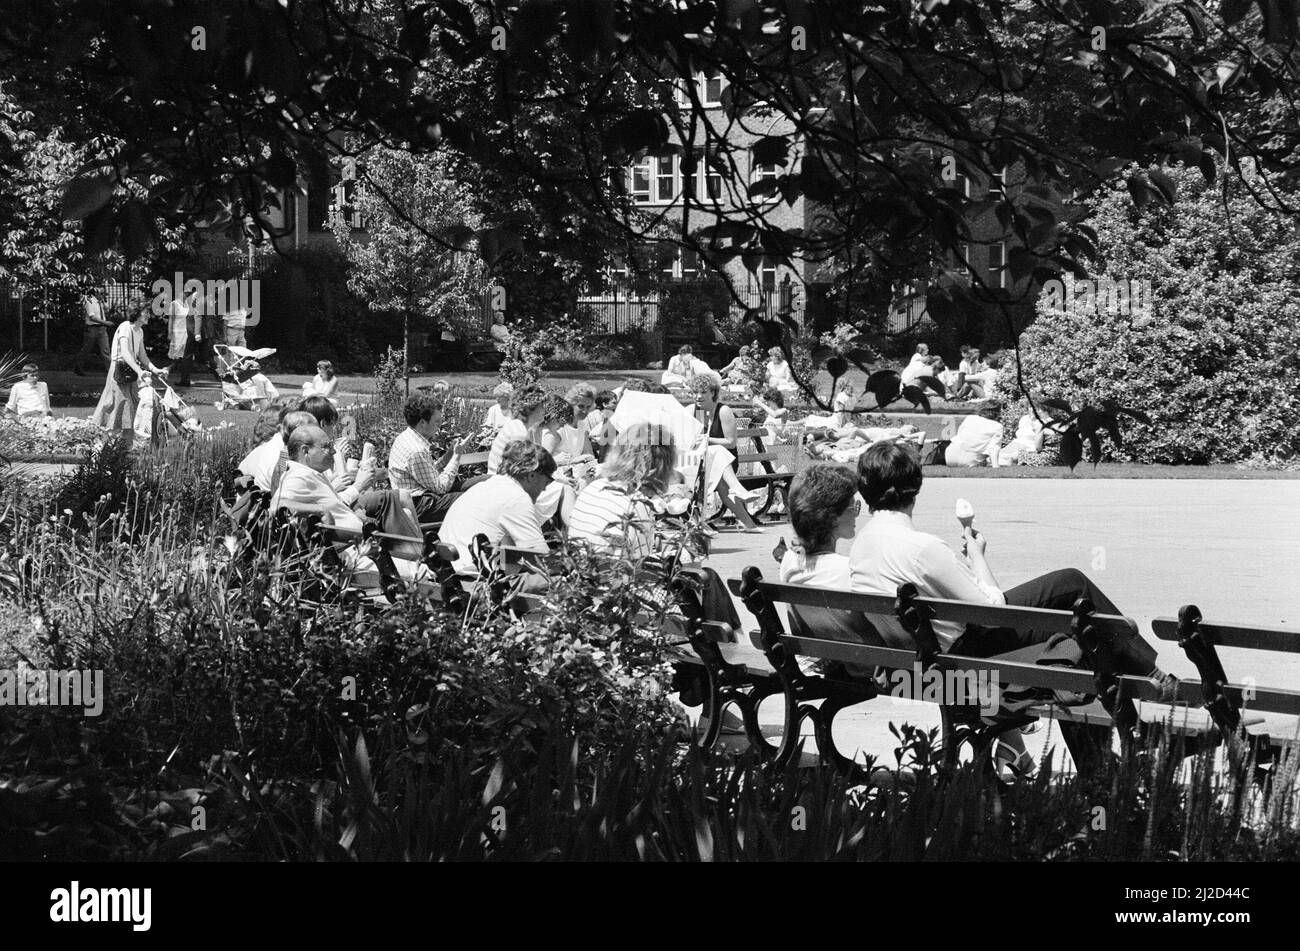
(1215, 362)
(48, 435)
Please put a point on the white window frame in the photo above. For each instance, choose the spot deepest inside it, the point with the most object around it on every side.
(769, 264)
(641, 196)
(759, 172)
(703, 80)
(673, 178)
(998, 273)
(998, 183)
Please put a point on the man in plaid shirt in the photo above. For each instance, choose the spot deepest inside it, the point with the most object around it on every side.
(410, 462)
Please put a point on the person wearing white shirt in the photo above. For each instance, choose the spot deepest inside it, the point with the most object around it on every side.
(96, 332)
(978, 441)
(681, 368)
(1029, 439)
(324, 383)
(501, 507)
(235, 323)
(823, 513)
(305, 486)
(889, 551)
(779, 374)
(29, 396)
(499, 411)
(262, 461)
(918, 366)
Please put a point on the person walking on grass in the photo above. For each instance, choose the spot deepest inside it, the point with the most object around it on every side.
(128, 361)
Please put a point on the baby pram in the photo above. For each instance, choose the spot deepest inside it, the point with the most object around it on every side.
(161, 415)
(230, 361)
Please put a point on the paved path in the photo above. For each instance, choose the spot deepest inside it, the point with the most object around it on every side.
(1233, 548)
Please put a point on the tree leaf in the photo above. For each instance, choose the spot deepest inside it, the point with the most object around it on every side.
(1071, 448)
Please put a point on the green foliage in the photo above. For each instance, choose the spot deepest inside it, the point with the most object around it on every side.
(1215, 363)
(525, 356)
(390, 383)
(416, 216)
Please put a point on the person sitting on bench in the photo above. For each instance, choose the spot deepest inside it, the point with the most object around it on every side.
(823, 512)
(305, 487)
(411, 465)
(503, 507)
(889, 552)
(615, 511)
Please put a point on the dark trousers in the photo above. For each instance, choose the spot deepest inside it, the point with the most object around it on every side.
(185, 363)
(94, 341)
(1058, 590)
(433, 508)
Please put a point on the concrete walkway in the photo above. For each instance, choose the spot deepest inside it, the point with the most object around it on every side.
(1232, 548)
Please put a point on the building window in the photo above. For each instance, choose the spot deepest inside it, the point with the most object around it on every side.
(666, 179)
(998, 264)
(711, 180)
(711, 87)
(640, 187)
(767, 269)
(962, 184)
(998, 184)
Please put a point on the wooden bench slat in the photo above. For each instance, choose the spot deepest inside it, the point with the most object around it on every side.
(744, 457)
(1254, 637)
(1024, 675)
(988, 615)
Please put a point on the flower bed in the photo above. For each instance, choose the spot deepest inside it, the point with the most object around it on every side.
(48, 438)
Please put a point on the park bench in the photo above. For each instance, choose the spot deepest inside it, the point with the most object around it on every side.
(1113, 708)
(765, 474)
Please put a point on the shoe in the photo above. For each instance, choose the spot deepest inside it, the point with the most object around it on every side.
(1166, 686)
(1011, 766)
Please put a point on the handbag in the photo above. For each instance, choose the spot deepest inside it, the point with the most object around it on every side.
(123, 373)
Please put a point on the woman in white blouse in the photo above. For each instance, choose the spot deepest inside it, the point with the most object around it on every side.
(324, 383)
(778, 373)
(127, 358)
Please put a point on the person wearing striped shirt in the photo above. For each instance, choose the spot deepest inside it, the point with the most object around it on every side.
(615, 511)
(411, 465)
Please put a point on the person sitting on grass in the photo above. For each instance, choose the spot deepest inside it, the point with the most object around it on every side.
(1030, 434)
(824, 509)
(681, 368)
(411, 465)
(324, 383)
(917, 367)
(737, 371)
(499, 411)
(29, 396)
(502, 507)
(978, 441)
(889, 551)
(779, 374)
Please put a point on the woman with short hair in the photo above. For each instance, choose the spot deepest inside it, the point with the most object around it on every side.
(824, 509)
(128, 361)
(499, 411)
(720, 462)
